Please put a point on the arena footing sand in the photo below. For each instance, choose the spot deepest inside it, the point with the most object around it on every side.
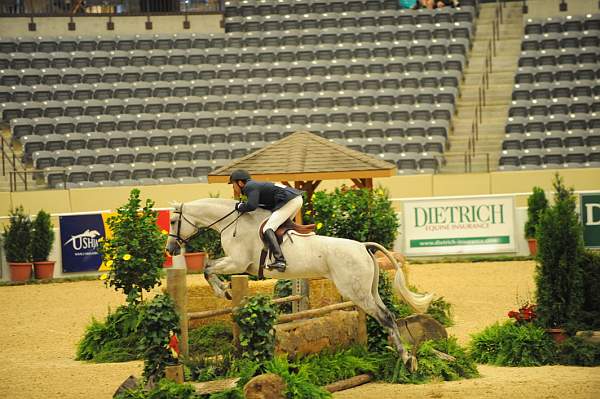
(40, 326)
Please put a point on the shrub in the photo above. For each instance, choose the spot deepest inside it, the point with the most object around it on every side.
(536, 205)
(297, 379)
(17, 236)
(114, 340)
(356, 214)
(559, 277)
(574, 351)
(256, 319)
(431, 367)
(42, 237)
(211, 339)
(165, 389)
(135, 253)
(509, 344)
(158, 320)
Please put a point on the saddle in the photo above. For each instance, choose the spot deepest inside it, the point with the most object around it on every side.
(286, 227)
(280, 233)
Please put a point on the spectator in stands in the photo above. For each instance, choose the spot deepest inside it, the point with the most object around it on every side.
(431, 4)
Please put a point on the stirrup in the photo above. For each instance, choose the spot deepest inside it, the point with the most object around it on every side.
(277, 265)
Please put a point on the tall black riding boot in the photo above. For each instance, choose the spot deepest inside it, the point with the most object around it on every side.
(271, 240)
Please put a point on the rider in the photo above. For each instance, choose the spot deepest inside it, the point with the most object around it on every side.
(283, 201)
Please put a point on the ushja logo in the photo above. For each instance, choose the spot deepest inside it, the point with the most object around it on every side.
(85, 240)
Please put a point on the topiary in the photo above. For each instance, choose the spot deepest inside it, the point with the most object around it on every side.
(42, 237)
(17, 236)
(590, 312)
(536, 205)
(559, 276)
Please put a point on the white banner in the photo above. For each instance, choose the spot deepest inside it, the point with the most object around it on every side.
(461, 225)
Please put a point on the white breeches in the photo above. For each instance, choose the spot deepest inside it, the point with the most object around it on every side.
(287, 211)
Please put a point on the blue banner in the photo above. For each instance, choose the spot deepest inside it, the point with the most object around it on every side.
(79, 237)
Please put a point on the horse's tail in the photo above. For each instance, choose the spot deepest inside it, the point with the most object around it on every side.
(419, 302)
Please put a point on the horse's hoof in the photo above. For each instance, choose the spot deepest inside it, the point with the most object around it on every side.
(228, 295)
(411, 364)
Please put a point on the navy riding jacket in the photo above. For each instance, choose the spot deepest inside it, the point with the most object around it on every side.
(266, 195)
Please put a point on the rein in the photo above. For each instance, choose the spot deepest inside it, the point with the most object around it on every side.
(183, 241)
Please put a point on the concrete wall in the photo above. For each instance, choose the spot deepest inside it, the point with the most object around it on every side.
(400, 187)
(93, 26)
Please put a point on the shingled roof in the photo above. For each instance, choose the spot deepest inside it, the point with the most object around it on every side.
(305, 156)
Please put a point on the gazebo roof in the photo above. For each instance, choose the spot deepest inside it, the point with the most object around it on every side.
(305, 156)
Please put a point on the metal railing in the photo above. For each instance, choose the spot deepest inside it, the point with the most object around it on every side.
(80, 8)
(11, 165)
(484, 85)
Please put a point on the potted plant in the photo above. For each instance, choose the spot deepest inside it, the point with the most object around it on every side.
(42, 239)
(206, 244)
(536, 205)
(17, 239)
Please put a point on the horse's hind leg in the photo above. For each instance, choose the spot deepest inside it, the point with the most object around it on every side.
(386, 319)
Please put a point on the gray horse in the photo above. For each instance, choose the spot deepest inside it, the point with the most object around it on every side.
(352, 268)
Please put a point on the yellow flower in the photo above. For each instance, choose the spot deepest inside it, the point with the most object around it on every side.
(307, 212)
(319, 225)
(104, 276)
(126, 257)
(165, 232)
(109, 263)
(100, 239)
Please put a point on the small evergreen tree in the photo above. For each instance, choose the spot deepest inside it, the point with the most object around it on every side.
(42, 237)
(536, 205)
(17, 237)
(559, 277)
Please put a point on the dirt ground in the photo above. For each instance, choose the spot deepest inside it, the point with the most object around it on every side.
(40, 326)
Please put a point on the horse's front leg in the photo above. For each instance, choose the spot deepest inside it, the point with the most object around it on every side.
(225, 265)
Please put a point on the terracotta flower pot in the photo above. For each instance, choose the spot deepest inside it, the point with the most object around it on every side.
(195, 261)
(532, 243)
(20, 271)
(44, 270)
(558, 334)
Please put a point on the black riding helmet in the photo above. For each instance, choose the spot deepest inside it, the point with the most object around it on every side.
(239, 174)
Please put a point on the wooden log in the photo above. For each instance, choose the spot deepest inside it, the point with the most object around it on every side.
(239, 290)
(174, 373)
(349, 383)
(285, 318)
(177, 290)
(208, 387)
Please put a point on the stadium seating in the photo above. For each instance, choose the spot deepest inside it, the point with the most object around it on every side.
(152, 107)
(554, 118)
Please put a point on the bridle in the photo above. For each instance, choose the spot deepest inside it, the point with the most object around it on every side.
(183, 241)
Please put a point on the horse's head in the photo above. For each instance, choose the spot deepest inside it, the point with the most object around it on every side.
(181, 229)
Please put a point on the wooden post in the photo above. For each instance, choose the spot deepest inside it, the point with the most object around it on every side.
(300, 287)
(177, 289)
(239, 290)
(174, 373)
(362, 326)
